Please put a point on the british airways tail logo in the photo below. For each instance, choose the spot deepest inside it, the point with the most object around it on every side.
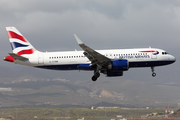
(19, 44)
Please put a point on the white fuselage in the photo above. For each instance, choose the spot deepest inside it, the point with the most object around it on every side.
(69, 60)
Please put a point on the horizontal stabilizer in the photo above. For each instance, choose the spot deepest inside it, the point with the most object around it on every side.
(18, 57)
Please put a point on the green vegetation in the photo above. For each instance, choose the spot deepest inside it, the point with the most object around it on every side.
(73, 113)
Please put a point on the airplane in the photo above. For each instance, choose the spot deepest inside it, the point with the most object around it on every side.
(111, 62)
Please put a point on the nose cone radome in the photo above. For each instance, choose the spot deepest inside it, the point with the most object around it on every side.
(172, 59)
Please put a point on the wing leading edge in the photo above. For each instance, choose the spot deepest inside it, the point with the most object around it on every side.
(95, 57)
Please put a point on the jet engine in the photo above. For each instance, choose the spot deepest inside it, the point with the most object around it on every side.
(119, 65)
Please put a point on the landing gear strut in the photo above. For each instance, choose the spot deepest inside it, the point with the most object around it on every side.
(153, 73)
(96, 73)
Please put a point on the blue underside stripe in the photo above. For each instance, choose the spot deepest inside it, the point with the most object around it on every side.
(131, 65)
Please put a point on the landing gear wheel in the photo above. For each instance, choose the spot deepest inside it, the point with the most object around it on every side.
(94, 78)
(153, 74)
(96, 73)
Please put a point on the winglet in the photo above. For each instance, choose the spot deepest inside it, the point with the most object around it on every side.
(78, 40)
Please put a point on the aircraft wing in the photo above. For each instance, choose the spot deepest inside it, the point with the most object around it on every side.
(18, 57)
(95, 57)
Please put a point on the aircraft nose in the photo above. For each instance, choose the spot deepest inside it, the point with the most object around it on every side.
(172, 58)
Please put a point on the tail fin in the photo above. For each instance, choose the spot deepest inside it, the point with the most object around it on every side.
(19, 43)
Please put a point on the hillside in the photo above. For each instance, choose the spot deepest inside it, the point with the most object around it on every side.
(32, 92)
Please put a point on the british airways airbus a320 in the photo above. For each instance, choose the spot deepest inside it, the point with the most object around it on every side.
(110, 62)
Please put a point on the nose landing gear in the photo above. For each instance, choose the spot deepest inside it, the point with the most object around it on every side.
(153, 73)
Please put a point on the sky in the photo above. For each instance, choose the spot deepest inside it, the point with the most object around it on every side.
(100, 24)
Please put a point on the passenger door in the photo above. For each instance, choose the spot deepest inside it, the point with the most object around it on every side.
(40, 58)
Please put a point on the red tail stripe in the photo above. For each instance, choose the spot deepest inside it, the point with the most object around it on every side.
(12, 34)
(30, 51)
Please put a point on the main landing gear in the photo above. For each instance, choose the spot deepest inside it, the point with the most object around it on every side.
(153, 73)
(96, 73)
(95, 76)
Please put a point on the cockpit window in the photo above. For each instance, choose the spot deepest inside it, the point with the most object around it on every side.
(164, 53)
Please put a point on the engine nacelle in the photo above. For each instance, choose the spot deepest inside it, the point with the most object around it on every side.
(119, 65)
(114, 73)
